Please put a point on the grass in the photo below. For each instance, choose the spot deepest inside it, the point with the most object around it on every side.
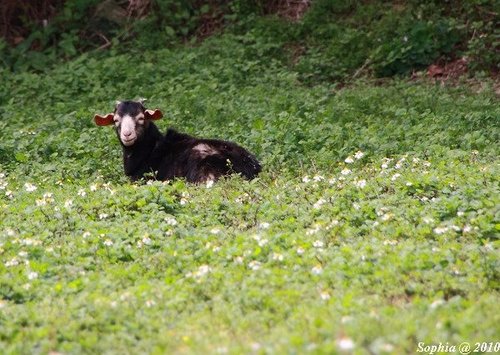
(397, 247)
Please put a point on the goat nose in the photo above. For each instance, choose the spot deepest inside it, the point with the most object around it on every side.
(127, 133)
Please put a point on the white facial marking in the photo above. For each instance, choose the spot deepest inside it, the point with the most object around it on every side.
(127, 131)
(204, 150)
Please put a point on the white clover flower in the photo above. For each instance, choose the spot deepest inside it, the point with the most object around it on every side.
(437, 303)
(332, 181)
(12, 262)
(318, 244)
(29, 187)
(277, 257)
(254, 265)
(318, 178)
(85, 235)
(22, 254)
(467, 229)
(171, 221)
(103, 215)
(300, 251)
(262, 242)
(346, 171)
(349, 160)
(32, 275)
(385, 163)
(48, 196)
(202, 271)
(9, 194)
(356, 206)
(40, 202)
(108, 242)
(359, 154)
(319, 203)
(146, 240)
(408, 183)
(428, 220)
(440, 230)
(313, 230)
(346, 319)
(324, 295)
(3, 185)
(390, 242)
(68, 203)
(360, 183)
(238, 260)
(255, 346)
(29, 241)
(395, 176)
(215, 231)
(150, 303)
(82, 193)
(209, 184)
(317, 270)
(345, 344)
(306, 179)
(333, 223)
(387, 217)
(460, 213)
(93, 187)
(427, 164)
(264, 225)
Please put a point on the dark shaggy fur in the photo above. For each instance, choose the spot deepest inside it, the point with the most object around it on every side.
(173, 156)
(178, 155)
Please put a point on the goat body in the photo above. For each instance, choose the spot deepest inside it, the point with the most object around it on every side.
(174, 154)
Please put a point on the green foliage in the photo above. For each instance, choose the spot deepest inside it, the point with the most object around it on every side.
(375, 219)
(393, 38)
(336, 40)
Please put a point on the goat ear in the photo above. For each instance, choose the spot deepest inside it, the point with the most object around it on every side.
(104, 120)
(153, 114)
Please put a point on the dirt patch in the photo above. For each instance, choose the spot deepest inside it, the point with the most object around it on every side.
(292, 10)
(452, 70)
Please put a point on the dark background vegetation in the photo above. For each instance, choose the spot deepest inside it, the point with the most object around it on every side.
(322, 39)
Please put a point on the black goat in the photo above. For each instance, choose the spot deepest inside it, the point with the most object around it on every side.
(146, 150)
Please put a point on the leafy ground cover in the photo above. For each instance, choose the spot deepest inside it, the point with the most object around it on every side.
(373, 227)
